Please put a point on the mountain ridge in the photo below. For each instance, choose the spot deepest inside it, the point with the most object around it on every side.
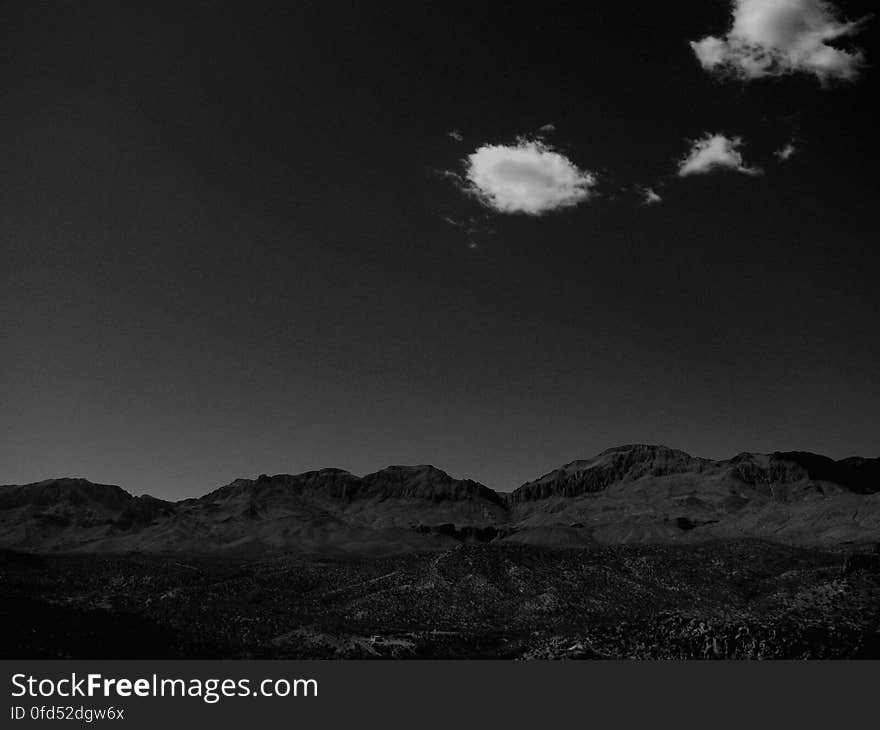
(630, 493)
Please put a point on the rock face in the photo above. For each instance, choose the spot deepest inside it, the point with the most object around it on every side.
(636, 493)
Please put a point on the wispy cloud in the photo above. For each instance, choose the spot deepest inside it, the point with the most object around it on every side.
(713, 153)
(455, 134)
(776, 37)
(528, 177)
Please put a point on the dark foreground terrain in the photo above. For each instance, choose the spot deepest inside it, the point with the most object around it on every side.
(727, 599)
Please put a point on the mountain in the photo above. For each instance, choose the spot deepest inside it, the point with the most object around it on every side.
(643, 493)
(70, 514)
(634, 493)
(397, 509)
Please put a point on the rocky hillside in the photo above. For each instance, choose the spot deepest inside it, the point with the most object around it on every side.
(637, 493)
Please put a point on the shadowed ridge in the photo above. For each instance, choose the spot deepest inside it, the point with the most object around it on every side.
(855, 473)
(863, 473)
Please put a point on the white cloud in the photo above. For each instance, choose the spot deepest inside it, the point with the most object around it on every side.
(455, 134)
(528, 177)
(776, 37)
(650, 196)
(714, 152)
(786, 153)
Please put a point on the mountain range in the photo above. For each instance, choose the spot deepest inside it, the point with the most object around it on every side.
(627, 494)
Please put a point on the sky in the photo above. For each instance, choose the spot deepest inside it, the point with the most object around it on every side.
(274, 237)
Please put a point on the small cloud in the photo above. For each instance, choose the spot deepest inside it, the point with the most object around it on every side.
(527, 177)
(456, 135)
(547, 128)
(786, 153)
(649, 196)
(777, 37)
(714, 152)
(472, 245)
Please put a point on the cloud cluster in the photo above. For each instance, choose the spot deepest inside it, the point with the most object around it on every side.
(528, 177)
(712, 153)
(776, 37)
(765, 38)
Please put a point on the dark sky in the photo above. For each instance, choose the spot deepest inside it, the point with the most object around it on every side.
(224, 250)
